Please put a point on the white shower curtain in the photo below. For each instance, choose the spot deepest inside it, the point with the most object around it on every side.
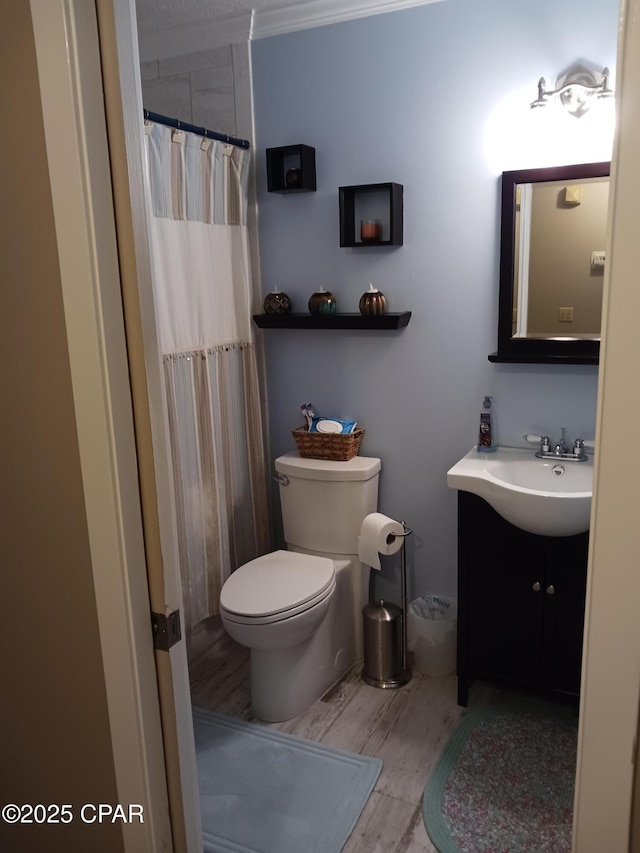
(197, 194)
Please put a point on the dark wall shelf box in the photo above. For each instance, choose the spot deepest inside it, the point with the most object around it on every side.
(380, 202)
(331, 321)
(291, 169)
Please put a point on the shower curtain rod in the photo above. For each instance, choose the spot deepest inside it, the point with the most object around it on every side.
(191, 128)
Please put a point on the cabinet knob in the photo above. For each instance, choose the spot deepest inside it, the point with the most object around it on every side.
(551, 589)
(536, 587)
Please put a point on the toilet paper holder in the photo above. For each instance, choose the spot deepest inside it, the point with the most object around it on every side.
(391, 537)
(384, 673)
(403, 593)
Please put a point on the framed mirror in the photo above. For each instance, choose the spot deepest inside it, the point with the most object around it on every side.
(552, 257)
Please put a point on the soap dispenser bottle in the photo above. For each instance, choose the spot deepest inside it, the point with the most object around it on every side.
(486, 433)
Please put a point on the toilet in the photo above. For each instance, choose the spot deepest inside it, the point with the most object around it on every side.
(299, 611)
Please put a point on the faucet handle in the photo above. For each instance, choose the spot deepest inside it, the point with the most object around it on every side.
(534, 438)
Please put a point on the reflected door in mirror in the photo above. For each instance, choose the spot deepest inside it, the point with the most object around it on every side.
(560, 236)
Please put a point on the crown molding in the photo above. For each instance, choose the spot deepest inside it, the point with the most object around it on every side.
(191, 38)
(208, 35)
(319, 13)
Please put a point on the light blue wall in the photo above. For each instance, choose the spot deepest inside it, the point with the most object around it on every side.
(417, 97)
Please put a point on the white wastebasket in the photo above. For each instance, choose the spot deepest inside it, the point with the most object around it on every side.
(432, 634)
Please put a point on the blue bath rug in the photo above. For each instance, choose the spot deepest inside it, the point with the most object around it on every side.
(262, 791)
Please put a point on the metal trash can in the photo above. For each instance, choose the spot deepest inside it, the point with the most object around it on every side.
(382, 636)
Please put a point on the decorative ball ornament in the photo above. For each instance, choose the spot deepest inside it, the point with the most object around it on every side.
(373, 302)
(322, 302)
(277, 302)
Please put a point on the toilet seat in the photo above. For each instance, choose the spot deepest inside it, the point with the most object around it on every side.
(276, 586)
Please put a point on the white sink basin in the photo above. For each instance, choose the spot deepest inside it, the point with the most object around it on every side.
(545, 496)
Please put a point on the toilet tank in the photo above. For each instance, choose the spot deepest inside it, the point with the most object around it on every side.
(324, 502)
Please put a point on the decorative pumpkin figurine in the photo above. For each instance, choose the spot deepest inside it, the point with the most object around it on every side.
(293, 178)
(372, 303)
(322, 302)
(277, 302)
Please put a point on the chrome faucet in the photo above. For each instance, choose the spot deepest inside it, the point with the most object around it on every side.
(561, 449)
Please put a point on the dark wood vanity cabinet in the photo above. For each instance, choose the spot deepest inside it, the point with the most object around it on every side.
(521, 600)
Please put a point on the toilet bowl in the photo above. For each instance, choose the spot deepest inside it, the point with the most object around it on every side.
(277, 600)
(276, 605)
(299, 610)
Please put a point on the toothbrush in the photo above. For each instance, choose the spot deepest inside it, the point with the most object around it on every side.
(308, 413)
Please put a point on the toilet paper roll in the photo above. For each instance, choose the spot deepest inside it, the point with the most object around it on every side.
(375, 530)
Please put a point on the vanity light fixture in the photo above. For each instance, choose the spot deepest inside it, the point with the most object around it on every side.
(576, 89)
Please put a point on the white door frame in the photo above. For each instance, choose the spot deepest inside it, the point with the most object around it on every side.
(123, 101)
(116, 380)
(611, 663)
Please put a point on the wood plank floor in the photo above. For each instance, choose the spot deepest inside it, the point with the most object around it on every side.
(407, 728)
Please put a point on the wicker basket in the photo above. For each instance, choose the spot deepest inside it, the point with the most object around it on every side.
(327, 445)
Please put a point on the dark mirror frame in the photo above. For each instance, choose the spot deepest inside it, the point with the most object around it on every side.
(531, 350)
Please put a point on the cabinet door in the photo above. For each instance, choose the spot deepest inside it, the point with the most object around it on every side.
(504, 584)
(564, 600)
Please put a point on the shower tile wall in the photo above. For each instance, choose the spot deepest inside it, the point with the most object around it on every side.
(197, 88)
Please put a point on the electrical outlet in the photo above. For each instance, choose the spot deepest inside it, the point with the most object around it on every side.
(598, 260)
(565, 315)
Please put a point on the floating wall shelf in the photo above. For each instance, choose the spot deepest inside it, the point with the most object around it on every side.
(379, 202)
(291, 169)
(331, 321)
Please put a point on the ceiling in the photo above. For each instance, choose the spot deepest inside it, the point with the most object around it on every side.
(268, 16)
(155, 15)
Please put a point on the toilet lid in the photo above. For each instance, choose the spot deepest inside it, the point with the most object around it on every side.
(275, 583)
